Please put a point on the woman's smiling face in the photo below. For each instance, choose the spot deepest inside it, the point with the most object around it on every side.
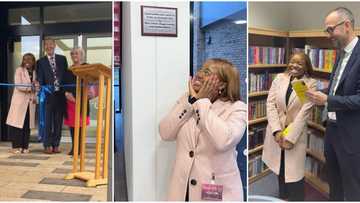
(28, 62)
(296, 66)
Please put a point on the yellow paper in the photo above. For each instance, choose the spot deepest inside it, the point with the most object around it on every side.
(300, 88)
(285, 132)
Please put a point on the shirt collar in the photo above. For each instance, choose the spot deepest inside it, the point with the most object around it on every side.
(51, 56)
(349, 48)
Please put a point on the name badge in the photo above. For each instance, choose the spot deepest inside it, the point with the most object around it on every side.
(211, 192)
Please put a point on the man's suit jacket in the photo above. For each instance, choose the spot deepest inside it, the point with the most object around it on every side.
(346, 103)
(46, 76)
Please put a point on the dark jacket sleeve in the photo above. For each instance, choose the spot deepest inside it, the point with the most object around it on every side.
(346, 102)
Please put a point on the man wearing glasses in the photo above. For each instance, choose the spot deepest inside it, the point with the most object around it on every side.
(342, 108)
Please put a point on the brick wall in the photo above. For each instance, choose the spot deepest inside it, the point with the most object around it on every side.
(221, 39)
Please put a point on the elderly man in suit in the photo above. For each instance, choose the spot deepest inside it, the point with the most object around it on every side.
(50, 71)
(342, 105)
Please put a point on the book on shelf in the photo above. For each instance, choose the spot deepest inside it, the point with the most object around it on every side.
(266, 55)
(315, 168)
(322, 59)
(315, 141)
(257, 135)
(256, 166)
(257, 109)
(261, 81)
(316, 114)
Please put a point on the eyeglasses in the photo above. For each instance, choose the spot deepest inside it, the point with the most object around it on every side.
(206, 71)
(331, 29)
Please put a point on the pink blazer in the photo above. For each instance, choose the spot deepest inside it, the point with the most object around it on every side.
(22, 98)
(206, 136)
(294, 115)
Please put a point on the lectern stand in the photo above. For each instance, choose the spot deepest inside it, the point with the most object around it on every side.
(86, 74)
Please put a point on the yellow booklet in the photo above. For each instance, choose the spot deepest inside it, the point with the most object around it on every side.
(300, 88)
(285, 132)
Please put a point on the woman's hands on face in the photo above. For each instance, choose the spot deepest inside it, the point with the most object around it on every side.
(209, 89)
(191, 89)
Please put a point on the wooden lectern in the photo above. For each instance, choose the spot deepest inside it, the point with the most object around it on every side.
(85, 74)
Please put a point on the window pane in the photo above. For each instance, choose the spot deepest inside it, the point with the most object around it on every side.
(24, 16)
(63, 47)
(78, 13)
(99, 50)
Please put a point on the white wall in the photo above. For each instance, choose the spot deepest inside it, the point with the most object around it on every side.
(155, 71)
(295, 15)
(310, 15)
(271, 15)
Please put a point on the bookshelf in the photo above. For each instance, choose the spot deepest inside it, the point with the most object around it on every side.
(258, 93)
(316, 126)
(270, 46)
(263, 66)
(256, 149)
(256, 121)
(253, 179)
(320, 185)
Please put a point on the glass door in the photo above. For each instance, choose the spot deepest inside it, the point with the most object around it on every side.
(19, 47)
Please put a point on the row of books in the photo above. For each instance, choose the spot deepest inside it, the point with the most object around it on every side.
(323, 59)
(256, 166)
(266, 55)
(315, 142)
(256, 136)
(316, 114)
(261, 81)
(257, 109)
(315, 168)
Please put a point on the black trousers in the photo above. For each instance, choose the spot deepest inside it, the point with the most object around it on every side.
(293, 191)
(54, 119)
(72, 132)
(187, 192)
(343, 169)
(20, 136)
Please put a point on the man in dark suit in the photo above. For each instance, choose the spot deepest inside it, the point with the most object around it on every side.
(342, 137)
(51, 71)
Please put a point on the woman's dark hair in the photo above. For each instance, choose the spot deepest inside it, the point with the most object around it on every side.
(307, 66)
(33, 59)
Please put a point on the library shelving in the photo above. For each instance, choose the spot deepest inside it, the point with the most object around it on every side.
(269, 46)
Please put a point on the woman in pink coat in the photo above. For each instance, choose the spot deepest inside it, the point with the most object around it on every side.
(285, 154)
(207, 123)
(21, 115)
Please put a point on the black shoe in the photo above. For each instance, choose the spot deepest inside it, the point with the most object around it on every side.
(71, 153)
